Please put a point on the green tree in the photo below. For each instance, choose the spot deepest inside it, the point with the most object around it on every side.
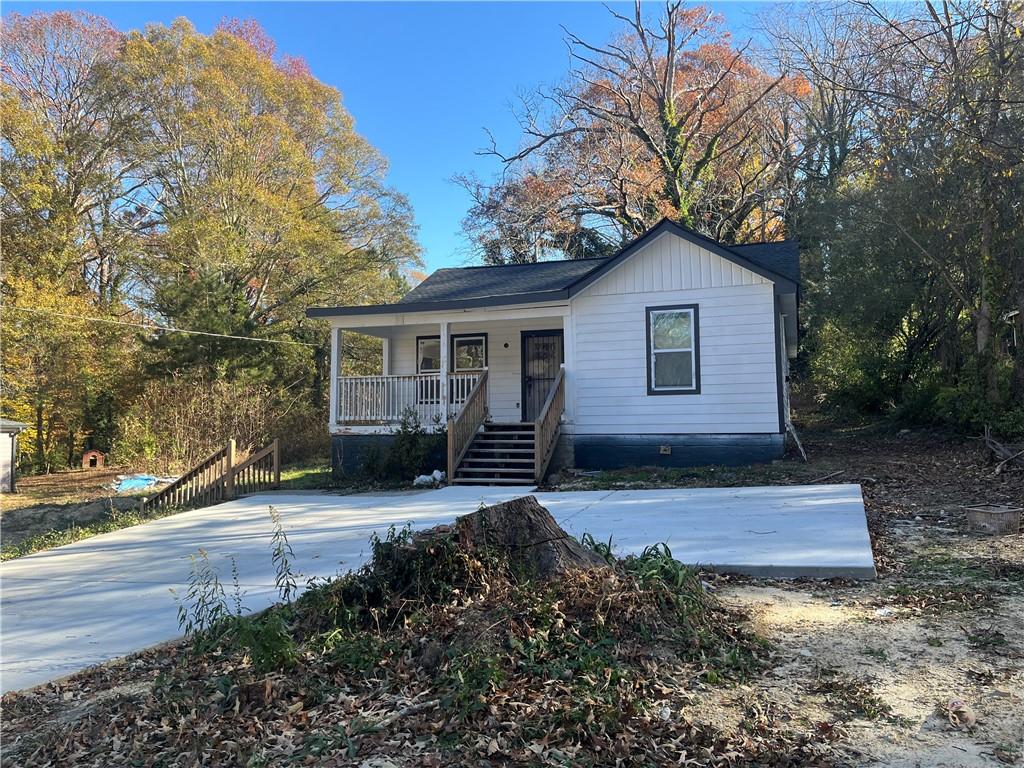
(265, 200)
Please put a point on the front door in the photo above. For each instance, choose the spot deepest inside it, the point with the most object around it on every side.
(542, 357)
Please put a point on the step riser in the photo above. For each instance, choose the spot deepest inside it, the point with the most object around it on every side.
(496, 443)
(491, 472)
(518, 462)
(477, 449)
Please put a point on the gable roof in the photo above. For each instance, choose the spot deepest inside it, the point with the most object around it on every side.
(783, 284)
(469, 287)
(504, 280)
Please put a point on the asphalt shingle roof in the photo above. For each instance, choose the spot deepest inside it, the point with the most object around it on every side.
(505, 280)
(783, 257)
(467, 287)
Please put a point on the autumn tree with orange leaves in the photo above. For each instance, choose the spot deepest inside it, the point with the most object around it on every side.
(669, 119)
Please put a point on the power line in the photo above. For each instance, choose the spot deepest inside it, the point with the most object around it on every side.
(150, 327)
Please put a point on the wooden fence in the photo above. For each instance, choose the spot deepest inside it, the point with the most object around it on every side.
(219, 477)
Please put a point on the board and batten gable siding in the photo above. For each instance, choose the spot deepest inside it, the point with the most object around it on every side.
(504, 365)
(738, 366)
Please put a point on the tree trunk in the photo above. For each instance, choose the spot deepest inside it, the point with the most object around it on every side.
(983, 316)
(40, 453)
(1017, 332)
(71, 449)
(525, 530)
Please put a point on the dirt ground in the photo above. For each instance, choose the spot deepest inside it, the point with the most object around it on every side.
(922, 667)
(885, 662)
(45, 503)
(73, 487)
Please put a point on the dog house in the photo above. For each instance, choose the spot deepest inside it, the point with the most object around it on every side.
(92, 459)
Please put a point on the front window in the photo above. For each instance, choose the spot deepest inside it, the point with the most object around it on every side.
(428, 354)
(673, 366)
(469, 353)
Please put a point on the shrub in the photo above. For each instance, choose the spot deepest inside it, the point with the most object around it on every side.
(413, 451)
(178, 421)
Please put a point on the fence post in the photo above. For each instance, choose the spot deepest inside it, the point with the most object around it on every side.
(229, 477)
(277, 463)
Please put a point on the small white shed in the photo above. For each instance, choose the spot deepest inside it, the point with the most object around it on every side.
(9, 431)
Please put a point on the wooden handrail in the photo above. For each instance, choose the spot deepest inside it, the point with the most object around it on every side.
(548, 426)
(218, 478)
(259, 472)
(462, 428)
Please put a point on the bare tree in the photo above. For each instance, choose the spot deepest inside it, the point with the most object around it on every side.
(668, 119)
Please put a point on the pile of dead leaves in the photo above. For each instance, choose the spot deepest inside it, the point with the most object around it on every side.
(464, 662)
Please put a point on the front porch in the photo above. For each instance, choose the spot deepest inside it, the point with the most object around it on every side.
(495, 384)
(383, 401)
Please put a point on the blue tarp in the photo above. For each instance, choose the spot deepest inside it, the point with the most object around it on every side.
(130, 483)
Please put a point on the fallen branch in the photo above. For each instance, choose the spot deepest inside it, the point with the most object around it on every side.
(1007, 454)
(1008, 459)
(826, 477)
(412, 709)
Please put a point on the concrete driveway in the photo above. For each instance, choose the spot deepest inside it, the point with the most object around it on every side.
(104, 597)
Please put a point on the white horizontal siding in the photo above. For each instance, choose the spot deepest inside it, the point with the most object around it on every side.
(737, 346)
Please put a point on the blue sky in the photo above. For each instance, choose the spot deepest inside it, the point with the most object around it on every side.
(422, 80)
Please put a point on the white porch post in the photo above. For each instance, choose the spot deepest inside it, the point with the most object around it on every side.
(335, 370)
(444, 371)
(386, 354)
(569, 354)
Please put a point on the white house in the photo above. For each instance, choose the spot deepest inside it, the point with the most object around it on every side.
(9, 431)
(672, 352)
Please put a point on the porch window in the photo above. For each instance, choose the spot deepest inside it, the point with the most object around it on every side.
(673, 350)
(428, 354)
(469, 353)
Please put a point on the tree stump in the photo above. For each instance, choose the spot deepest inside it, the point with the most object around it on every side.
(530, 537)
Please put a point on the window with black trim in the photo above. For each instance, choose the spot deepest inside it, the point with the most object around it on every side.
(469, 352)
(673, 350)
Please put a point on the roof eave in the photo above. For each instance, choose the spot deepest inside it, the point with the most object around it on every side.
(439, 306)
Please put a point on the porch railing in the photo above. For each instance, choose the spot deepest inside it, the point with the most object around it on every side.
(548, 425)
(385, 399)
(463, 426)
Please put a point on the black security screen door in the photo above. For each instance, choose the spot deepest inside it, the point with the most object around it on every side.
(542, 356)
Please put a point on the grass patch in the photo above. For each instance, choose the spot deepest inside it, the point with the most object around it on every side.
(782, 473)
(994, 574)
(318, 475)
(853, 696)
(303, 477)
(932, 599)
(74, 532)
